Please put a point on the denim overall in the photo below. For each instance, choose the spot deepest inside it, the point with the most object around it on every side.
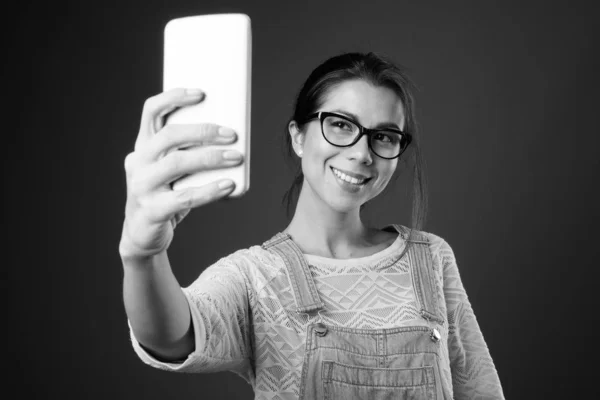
(346, 363)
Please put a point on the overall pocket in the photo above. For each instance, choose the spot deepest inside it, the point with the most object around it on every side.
(349, 382)
(393, 363)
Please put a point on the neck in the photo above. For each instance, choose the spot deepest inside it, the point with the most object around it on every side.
(319, 230)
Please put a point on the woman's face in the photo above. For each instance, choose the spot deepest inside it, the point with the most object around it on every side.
(372, 107)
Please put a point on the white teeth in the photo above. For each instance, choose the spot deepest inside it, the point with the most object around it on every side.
(347, 178)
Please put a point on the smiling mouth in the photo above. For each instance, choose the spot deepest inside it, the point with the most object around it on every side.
(348, 179)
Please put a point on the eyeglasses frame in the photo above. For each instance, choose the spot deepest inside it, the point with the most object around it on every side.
(321, 115)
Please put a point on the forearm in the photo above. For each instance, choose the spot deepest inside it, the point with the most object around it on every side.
(156, 307)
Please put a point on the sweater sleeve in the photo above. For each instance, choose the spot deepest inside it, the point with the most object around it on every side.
(474, 375)
(219, 308)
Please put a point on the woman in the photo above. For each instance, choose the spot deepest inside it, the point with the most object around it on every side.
(328, 308)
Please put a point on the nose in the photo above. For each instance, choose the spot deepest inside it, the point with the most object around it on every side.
(361, 151)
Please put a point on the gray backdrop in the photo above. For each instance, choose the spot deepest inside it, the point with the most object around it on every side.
(508, 110)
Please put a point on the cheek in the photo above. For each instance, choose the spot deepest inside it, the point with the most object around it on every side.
(312, 162)
(384, 178)
(387, 172)
(317, 153)
(382, 184)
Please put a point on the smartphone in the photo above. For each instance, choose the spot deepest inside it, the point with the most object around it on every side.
(213, 53)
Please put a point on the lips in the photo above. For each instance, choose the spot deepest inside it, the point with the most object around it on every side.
(353, 175)
(364, 181)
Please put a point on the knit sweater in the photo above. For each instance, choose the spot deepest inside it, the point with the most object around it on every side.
(244, 319)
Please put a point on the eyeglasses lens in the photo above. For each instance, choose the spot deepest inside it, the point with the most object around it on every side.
(342, 132)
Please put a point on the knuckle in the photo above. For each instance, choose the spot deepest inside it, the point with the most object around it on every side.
(185, 198)
(174, 161)
(129, 161)
(206, 197)
(144, 203)
(150, 105)
(153, 209)
(150, 209)
(136, 186)
(160, 143)
(165, 139)
(208, 130)
(131, 166)
(191, 135)
(213, 158)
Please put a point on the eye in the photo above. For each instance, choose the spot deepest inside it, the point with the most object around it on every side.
(385, 137)
(341, 124)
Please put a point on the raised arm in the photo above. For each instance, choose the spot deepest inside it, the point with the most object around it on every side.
(157, 309)
(155, 304)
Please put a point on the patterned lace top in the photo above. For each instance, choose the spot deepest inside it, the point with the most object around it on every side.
(244, 317)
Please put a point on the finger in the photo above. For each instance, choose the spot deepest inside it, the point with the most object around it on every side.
(179, 136)
(184, 162)
(171, 202)
(156, 107)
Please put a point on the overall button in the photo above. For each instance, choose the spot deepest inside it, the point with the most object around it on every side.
(321, 329)
(435, 335)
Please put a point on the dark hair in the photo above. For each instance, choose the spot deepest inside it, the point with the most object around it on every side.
(379, 71)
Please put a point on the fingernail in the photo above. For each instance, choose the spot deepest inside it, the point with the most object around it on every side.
(232, 155)
(194, 93)
(225, 184)
(226, 132)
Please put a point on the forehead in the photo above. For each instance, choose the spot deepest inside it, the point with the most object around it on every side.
(372, 104)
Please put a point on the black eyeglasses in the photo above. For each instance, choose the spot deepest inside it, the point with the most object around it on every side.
(342, 131)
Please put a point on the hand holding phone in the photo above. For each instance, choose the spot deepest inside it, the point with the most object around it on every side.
(213, 53)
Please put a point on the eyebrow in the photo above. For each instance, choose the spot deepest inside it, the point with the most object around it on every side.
(382, 125)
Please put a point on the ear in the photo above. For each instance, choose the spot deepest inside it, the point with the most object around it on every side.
(297, 137)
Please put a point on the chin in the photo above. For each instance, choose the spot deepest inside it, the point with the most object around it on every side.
(348, 205)
(345, 210)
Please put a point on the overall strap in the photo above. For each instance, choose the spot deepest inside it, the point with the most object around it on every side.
(303, 285)
(422, 273)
